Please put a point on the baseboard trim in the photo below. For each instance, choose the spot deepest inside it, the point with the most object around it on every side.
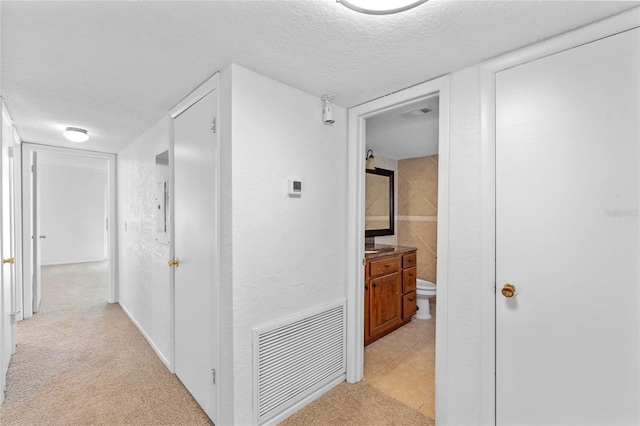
(302, 403)
(164, 360)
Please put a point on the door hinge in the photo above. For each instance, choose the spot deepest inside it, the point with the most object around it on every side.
(10, 151)
(13, 317)
(213, 124)
(364, 262)
(213, 376)
(107, 223)
(32, 168)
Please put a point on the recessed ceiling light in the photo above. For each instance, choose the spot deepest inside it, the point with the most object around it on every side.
(380, 7)
(76, 134)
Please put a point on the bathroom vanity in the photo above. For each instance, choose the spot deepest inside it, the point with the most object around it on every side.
(390, 289)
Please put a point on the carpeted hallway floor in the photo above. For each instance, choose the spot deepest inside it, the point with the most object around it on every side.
(80, 361)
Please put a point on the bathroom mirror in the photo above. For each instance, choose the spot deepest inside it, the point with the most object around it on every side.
(379, 215)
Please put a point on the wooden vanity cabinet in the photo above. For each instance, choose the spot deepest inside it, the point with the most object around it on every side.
(385, 305)
(390, 294)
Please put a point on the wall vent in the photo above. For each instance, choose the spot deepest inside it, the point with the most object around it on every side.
(297, 356)
(416, 113)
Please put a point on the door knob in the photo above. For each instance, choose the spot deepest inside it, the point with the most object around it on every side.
(508, 290)
(174, 262)
(9, 260)
(42, 237)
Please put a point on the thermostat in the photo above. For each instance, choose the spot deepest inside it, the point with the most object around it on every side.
(295, 186)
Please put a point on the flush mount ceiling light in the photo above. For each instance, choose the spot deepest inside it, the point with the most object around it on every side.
(76, 134)
(380, 7)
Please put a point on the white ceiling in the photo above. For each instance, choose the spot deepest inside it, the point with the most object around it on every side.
(116, 67)
(398, 135)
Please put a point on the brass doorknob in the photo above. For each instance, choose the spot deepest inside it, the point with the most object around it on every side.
(9, 260)
(174, 262)
(508, 290)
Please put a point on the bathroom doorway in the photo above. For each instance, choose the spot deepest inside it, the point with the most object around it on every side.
(413, 102)
(404, 142)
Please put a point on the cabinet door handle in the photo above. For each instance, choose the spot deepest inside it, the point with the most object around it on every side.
(387, 266)
(373, 285)
(410, 300)
(411, 274)
(366, 287)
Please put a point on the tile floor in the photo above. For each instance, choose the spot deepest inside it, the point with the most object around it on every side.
(402, 364)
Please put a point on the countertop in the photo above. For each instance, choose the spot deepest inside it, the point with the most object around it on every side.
(384, 250)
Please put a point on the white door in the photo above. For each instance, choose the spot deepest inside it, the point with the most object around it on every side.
(567, 225)
(195, 186)
(36, 237)
(7, 252)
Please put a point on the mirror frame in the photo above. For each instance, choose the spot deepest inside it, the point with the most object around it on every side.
(390, 230)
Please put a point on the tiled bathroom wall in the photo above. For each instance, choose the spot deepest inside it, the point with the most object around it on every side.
(417, 211)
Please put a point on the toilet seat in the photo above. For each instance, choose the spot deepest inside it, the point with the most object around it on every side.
(423, 285)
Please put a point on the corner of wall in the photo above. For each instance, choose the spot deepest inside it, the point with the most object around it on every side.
(226, 411)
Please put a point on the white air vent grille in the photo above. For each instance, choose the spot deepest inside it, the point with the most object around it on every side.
(296, 357)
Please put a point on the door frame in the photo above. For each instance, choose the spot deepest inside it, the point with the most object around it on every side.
(27, 150)
(488, 70)
(355, 227)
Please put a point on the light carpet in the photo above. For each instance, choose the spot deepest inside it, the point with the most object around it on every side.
(357, 405)
(80, 361)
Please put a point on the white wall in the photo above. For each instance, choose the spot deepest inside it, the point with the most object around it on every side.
(464, 322)
(72, 212)
(289, 254)
(145, 290)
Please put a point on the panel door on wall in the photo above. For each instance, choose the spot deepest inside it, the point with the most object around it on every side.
(567, 237)
(195, 162)
(7, 250)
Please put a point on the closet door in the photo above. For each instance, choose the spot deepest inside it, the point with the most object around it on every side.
(195, 195)
(567, 237)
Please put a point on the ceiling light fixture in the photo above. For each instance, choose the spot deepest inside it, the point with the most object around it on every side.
(380, 7)
(76, 134)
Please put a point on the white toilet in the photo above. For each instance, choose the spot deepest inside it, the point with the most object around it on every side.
(425, 290)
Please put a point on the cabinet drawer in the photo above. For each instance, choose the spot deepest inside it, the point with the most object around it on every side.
(409, 305)
(408, 280)
(385, 265)
(409, 260)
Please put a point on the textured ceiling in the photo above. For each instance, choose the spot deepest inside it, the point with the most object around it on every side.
(115, 68)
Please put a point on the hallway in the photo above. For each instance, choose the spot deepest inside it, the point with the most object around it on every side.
(81, 361)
